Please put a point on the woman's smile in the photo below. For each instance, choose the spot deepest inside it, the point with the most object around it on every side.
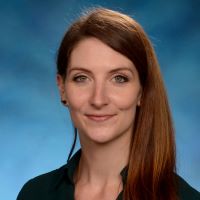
(99, 118)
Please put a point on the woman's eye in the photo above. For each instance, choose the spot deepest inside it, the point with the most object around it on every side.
(80, 78)
(120, 79)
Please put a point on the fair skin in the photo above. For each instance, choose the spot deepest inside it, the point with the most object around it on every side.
(102, 90)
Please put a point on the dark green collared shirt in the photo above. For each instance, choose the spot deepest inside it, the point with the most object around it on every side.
(59, 185)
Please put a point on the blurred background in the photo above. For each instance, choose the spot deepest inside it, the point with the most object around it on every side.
(35, 129)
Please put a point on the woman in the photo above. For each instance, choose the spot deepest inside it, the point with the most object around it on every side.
(109, 78)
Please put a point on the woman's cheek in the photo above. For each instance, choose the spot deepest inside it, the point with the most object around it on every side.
(77, 97)
(125, 100)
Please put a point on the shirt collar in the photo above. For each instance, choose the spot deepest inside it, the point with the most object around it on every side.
(68, 170)
(72, 165)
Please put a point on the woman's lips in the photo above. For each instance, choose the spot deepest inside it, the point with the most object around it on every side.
(99, 118)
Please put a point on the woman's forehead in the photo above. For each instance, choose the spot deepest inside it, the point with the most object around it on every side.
(92, 53)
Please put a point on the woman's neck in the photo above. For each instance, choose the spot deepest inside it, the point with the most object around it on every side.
(102, 163)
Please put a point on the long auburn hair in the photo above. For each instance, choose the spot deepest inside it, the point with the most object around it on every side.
(151, 167)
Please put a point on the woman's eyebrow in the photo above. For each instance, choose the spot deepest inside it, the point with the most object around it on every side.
(79, 69)
(122, 69)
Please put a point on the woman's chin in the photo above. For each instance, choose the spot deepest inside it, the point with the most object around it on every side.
(101, 137)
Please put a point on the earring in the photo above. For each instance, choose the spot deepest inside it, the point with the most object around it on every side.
(64, 102)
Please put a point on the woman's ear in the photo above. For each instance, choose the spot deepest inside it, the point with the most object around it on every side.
(61, 87)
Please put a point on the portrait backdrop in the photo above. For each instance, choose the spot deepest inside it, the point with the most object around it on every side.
(36, 133)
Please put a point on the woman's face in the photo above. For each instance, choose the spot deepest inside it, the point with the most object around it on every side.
(102, 89)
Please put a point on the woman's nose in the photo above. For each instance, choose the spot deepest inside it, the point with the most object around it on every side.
(99, 96)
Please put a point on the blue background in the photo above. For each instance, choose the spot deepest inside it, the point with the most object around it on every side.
(35, 129)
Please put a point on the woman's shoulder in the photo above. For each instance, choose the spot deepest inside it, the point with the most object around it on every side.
(40, 186)
(186, 192)
(50, 185)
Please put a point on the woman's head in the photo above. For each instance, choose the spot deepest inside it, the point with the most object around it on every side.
(122, 34)
(152, 151)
